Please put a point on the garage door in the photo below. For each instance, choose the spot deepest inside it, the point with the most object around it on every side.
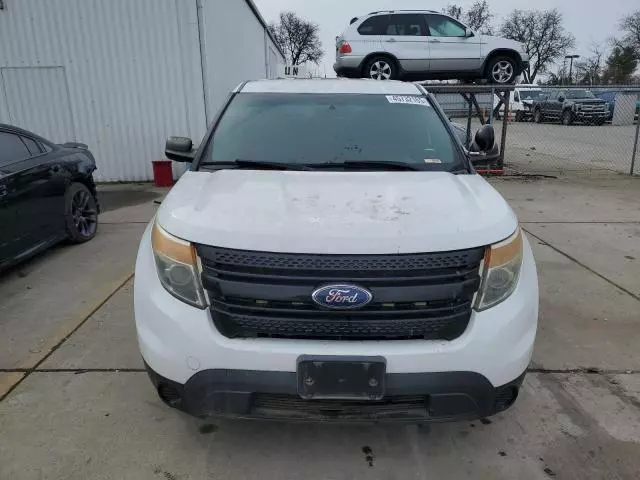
(37, 99)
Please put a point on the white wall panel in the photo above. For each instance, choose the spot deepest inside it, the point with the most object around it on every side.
(234, 45)
(275, 60)
(37, 98)
(133, 68)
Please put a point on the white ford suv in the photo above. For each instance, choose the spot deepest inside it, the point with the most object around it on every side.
(423, 45)
(332, 255)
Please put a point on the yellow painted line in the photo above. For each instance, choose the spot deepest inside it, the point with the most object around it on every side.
(65, 330)
(8, 380)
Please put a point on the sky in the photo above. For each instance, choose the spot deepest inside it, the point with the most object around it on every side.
(588, 20)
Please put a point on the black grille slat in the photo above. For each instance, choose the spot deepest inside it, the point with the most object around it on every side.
(440, 328)
(416, 296)
(241, 260)
(437, 276)
(308, 312)
(290, 406)
(396, 293)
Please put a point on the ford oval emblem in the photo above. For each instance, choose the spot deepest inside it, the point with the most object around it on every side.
(342, 297)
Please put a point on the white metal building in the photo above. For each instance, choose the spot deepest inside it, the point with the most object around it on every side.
(122, 75)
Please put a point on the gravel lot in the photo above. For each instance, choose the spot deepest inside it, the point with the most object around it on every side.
(556, 149)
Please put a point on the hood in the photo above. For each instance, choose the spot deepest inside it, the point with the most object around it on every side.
(336, 212)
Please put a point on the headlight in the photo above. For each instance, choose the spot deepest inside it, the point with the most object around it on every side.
(176, 263)
(501, 271)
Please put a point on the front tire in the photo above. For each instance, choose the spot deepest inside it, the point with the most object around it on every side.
(381, 68)
(81, 214)
(567, 118)
(501, 70)
(537, 116)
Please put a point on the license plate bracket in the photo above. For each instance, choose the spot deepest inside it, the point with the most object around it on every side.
(341, 378)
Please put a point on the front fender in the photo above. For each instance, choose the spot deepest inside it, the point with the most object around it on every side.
(503, 51)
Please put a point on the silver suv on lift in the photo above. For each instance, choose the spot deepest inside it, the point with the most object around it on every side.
(425, 45)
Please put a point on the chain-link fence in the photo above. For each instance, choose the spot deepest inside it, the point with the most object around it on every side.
(555, 130)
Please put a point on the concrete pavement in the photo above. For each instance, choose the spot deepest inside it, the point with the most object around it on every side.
(109, 425)
(45, 299)
(88, 410)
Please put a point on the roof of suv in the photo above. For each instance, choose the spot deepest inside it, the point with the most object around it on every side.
(364, 86)
(403, 11)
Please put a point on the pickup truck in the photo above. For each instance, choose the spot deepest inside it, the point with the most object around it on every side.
(571, 105)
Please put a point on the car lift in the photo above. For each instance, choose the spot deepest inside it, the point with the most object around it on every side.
(468, 92)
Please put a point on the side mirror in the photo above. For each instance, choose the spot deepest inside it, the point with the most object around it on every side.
(561, 98)
(179, 149)
(516, 97)
(485, 139)
(484, 148)
(468, 32)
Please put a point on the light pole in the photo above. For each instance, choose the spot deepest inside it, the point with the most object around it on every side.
(571, 66)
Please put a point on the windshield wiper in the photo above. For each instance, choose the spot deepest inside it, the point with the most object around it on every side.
(258, 164)
(377, 164)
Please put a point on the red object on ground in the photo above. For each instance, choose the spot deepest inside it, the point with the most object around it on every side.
(162, 173)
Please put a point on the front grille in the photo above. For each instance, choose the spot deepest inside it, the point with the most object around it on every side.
(593, 108)
(288, 406)
(268, 295)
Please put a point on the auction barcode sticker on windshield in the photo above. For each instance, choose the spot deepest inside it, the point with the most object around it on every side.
(408, 100)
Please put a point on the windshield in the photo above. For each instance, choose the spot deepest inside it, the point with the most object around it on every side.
(579, 94)
(313, 129)
(530, 94)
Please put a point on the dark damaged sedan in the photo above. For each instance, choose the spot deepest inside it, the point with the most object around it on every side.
(47, 194)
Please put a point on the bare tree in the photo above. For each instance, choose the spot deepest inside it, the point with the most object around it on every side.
(631, 26)
(543, 34)
(298, 38)
(479, 17)
(589, 71)
(453, 10)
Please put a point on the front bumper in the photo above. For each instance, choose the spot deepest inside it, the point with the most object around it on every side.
(410, 397)
(580, 115)
(183, 348)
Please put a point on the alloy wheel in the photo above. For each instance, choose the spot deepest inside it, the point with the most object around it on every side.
(380, 70)
(84, 213)
(502, 72)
